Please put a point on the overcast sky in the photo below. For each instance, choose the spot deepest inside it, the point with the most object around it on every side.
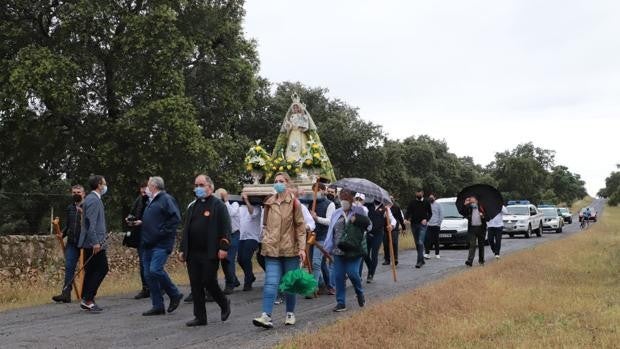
(482, 75)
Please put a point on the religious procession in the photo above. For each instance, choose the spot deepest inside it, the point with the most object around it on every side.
(308, 231)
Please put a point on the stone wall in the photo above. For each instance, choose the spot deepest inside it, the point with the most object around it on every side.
(37, 258)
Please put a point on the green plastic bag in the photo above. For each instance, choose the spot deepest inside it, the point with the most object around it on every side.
(298, 281)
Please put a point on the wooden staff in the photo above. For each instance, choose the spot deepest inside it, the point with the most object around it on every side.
(77, 288)
(391, 248)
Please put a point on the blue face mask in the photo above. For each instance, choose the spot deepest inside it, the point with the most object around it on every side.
(474, 206)
(104, 189)
(279, 187)
(200, 192)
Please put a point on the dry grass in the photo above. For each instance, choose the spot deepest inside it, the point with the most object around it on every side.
(561, 294)
(579, 204)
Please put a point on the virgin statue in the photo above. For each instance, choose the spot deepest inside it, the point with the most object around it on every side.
(298, 129)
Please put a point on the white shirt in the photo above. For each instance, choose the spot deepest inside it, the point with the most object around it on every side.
(308, 218)
(251, 224)
(233, 212)
(498, 221)
(328, 215)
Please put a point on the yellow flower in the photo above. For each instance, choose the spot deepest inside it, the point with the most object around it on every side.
(317, 155)
(258, 148)
(309, 162)
(249, 167)
(281, 168)
(297, 170)
(288, 167)
(274, 167)
(315, 146)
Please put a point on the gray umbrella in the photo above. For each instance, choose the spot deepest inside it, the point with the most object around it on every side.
(361, 185)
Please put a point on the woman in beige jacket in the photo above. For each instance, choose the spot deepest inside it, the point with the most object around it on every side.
(283, 246)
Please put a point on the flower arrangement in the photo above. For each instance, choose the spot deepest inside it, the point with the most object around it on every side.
(281, 164)
(313, 156)
(257, 158)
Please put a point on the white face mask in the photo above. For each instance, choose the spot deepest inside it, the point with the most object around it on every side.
(346, 205)
(148, 193)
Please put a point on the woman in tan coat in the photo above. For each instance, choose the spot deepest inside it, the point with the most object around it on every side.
(283, 246)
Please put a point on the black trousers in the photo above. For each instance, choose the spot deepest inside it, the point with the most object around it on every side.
(386, 245)
(432, 238)
(94, 273)
(476, 235)
(203, 275)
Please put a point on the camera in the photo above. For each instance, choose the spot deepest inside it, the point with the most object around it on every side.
(131, 219)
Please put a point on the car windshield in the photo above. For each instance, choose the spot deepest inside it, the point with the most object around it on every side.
(564, 210)
(518, 210)
(449, 210)
(549, 212)
(584, 210)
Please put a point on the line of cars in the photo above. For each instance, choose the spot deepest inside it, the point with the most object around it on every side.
(523, 218)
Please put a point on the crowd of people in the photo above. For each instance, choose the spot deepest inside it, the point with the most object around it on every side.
(334, 238)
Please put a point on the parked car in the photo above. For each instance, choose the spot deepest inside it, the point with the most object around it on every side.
(454, 225)
(523, 219)
(593, 216)
(566, 214)
(553, 220)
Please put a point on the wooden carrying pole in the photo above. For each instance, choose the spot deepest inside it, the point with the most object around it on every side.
(76, 281)
(391, 247)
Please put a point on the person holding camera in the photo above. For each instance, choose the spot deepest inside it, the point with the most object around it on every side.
(132, 238)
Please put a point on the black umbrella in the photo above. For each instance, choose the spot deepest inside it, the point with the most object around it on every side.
(489, 198)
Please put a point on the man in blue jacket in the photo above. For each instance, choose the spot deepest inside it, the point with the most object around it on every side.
(159, 228)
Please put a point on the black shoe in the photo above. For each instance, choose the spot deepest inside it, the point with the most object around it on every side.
(237, 284)
(340, 308)
(64, 297)
(361, 300)
(196, 322)
(247, 287)
(154, 311)
(228, 290)
(386, 262)
(419, 265)
(189, 299)
(95, 309)
(468, 263)
(174, 303)
(369, 279)
(396, 263)
(481, 262)
(226, 311)
(143, 294)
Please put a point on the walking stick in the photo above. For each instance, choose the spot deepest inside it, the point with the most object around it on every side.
(391, 248)
(58, 233)
(85, 263)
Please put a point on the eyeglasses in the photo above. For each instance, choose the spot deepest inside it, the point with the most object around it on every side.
(200, 185)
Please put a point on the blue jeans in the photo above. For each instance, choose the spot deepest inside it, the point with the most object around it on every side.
(495, 238)
(419, 236)
(317, 264)
(145, 286)
(228, 265)
(72, 254)
(275, 267)
(157, 278)
(350, 267)
(373, 243)
(246, 252)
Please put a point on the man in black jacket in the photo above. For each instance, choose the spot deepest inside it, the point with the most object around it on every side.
(206, 238)
(400, 227)
(476, 229)
(72, 232)
(134, 222)
(419, 212)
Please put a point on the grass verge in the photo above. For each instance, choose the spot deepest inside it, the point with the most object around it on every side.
(561, 294)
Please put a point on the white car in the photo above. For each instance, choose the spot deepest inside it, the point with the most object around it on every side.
(553, 219)
(523, 219)
(454, 226)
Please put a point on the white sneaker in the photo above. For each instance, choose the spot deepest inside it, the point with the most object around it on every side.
(290, 319)
(496, 256)
(263, 321)
(437, 256)
(426, 256)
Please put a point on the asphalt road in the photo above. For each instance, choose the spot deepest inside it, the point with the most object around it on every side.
(121, 325)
